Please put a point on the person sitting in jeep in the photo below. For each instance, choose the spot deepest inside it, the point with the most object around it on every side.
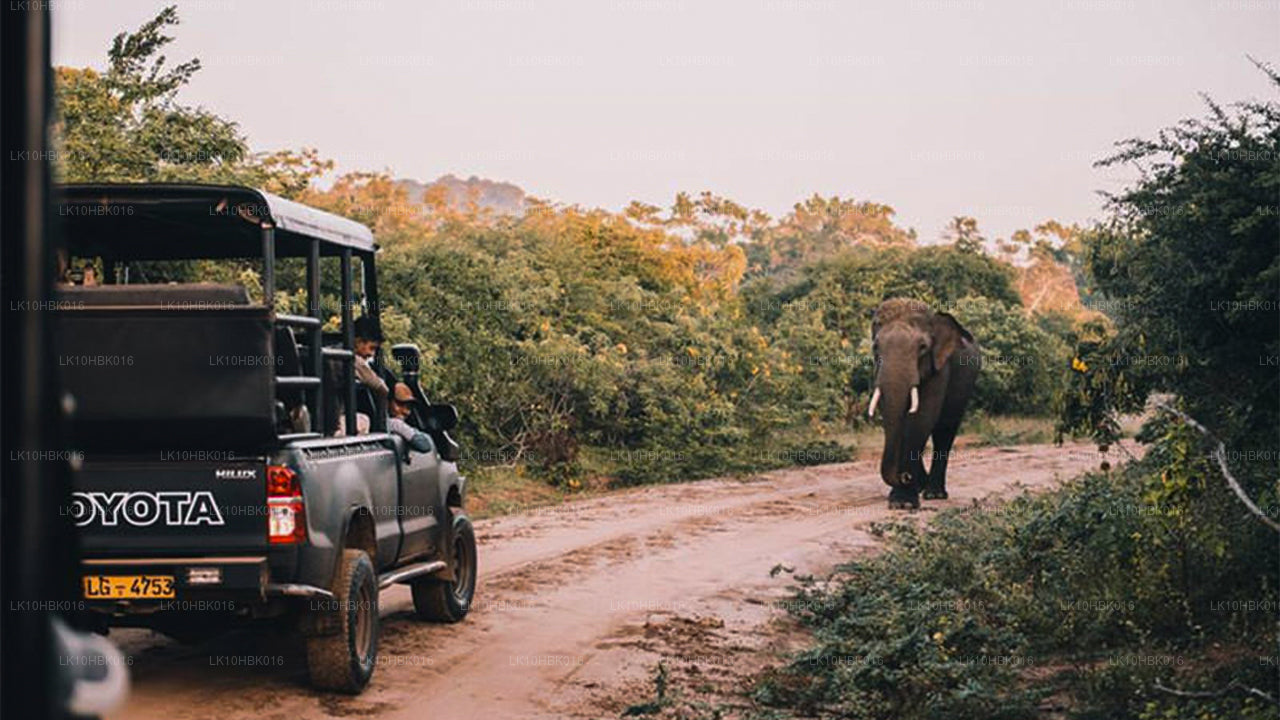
(402, 401)
(368, 341)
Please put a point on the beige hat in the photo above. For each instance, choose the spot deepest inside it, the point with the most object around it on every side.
(403, 394)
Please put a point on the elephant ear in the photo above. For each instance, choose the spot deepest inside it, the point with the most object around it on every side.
(947, 336)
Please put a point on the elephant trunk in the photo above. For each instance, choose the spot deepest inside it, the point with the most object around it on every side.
(891, 461)
(899, 397)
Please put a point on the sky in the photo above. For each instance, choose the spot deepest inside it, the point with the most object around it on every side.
(937, 108)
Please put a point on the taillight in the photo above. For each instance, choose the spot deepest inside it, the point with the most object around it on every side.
(286, 514)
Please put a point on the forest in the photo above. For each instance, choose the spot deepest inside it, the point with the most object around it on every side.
(645, 345)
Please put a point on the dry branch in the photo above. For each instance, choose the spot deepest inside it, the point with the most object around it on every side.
(1220, 454)
(1233, 685)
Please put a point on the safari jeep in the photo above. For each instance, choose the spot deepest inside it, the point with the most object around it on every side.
(225, 471)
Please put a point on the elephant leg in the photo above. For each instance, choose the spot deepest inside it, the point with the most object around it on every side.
(907, 495)
(904, 497)
(935, 485)
(915, 465)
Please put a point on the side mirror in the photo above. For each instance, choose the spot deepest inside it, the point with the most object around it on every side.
(441, 418)
(409, 357)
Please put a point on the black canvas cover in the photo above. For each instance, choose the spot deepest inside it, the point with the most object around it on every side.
(151, 378)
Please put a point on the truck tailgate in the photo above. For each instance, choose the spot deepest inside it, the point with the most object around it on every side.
(127, 507)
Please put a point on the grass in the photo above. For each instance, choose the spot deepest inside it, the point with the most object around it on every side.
(978, 430)
(983, 430)
(505, 489)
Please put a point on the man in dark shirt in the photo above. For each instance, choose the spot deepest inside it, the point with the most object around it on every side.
(368, 341)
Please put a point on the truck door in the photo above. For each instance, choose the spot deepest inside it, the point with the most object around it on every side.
(420, 501)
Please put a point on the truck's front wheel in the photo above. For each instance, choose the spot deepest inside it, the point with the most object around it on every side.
(344, 661)
(449, 600)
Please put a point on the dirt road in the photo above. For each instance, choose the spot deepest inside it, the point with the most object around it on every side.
(578, 603)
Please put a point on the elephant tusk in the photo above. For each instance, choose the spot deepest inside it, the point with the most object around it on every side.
(875, 400)
(915, 399)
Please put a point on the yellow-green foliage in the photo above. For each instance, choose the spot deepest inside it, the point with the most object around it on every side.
(701, 339)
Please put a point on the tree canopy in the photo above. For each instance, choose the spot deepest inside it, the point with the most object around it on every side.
(704, 337)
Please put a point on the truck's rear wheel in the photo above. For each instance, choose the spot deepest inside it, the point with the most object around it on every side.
(344, 661)
(450, 600)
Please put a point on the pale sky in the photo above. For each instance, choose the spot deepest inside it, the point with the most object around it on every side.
(937, 107)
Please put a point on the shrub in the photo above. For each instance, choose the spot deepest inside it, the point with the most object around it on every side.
(1088, 590)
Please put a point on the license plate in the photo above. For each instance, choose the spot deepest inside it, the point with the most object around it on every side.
(128, 587)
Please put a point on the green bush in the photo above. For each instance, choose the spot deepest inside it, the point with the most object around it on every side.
(1089, 591)
(1022, 363)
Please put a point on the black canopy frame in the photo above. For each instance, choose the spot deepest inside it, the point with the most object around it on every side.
(131, 222)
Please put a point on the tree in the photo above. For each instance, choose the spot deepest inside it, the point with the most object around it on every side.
(963, 233)
(1189, 258)
(821, 227)
(125, 124)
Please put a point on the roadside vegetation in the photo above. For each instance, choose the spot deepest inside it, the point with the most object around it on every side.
(1082, 602)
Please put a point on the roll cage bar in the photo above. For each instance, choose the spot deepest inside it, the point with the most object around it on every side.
(157, 221)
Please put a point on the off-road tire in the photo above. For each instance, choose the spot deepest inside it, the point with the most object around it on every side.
(344, 661)
(449, 601)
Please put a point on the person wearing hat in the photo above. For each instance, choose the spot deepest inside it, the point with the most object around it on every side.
(402, 402)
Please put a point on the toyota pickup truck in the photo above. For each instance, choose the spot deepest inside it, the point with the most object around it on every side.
(224, 469)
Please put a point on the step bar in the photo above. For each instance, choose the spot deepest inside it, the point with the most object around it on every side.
(409, 572)
(298, 590)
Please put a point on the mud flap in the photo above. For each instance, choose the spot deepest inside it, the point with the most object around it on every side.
(319, 618)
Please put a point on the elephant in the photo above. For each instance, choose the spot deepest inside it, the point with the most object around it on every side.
(926, 365)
